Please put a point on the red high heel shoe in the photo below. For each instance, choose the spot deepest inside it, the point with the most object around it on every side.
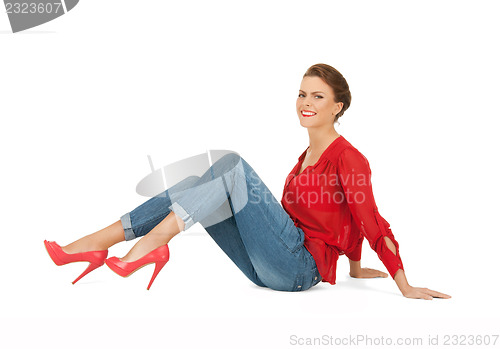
(95, 258)
(159, 256)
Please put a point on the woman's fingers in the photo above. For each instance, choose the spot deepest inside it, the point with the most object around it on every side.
(376, 272)
(425, 293)
(437, 294)
(380, 273)
(430, 294)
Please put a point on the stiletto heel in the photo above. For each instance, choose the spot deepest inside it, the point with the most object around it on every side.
(159, 256)
(91, 267)
(59, 257)
(158, 267)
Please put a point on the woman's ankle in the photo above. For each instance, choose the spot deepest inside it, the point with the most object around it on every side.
(145, 245)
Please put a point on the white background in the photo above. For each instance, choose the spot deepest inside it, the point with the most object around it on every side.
(85, 98)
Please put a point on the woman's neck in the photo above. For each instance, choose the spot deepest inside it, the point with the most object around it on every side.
(320, 139)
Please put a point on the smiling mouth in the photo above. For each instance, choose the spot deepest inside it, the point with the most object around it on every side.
(307, 114)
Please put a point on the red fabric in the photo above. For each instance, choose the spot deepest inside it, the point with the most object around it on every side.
(332, 202)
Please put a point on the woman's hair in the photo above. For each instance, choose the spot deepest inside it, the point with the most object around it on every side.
(336, 81)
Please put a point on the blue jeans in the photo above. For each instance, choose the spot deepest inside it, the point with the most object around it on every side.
(258, 236)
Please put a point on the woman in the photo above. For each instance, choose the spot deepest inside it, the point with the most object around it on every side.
(327, 209)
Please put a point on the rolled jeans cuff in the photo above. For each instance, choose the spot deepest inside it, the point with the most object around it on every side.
(181, 212)
(127, 227)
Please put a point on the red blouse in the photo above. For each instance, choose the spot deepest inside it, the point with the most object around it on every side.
(332, 202)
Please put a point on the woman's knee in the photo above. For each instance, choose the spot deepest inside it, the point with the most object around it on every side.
(229, 162)
(230, 159)
(192, 178)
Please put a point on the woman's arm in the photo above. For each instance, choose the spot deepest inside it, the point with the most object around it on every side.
(355, 177)
(355, 268)
(400, 278)
(405, 288)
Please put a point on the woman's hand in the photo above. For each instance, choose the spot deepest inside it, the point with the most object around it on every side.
(425, 293)
(367, 273)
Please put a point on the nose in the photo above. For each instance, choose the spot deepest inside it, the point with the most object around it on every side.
(306, 102)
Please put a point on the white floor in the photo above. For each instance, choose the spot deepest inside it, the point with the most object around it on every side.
(202, 298)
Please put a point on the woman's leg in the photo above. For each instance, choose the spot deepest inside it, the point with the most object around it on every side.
(258, 236)
(227, 236)
(145, 218)
(259, 231)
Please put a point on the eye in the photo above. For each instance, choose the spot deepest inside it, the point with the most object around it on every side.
(301, 94)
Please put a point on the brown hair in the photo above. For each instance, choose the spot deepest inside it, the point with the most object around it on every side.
(336, 81)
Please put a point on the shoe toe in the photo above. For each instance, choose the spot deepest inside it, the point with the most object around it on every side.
(49, 246)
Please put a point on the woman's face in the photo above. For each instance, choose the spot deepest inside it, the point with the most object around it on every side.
(316, 106)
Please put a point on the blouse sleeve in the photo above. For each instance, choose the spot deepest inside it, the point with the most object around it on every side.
(355, 178)
(355, 253)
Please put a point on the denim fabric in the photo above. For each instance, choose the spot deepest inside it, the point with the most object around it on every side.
(258, 235)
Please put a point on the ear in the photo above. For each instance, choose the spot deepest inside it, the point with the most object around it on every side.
(341, 106)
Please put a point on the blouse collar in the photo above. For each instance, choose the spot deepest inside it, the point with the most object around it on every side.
(325, 152)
